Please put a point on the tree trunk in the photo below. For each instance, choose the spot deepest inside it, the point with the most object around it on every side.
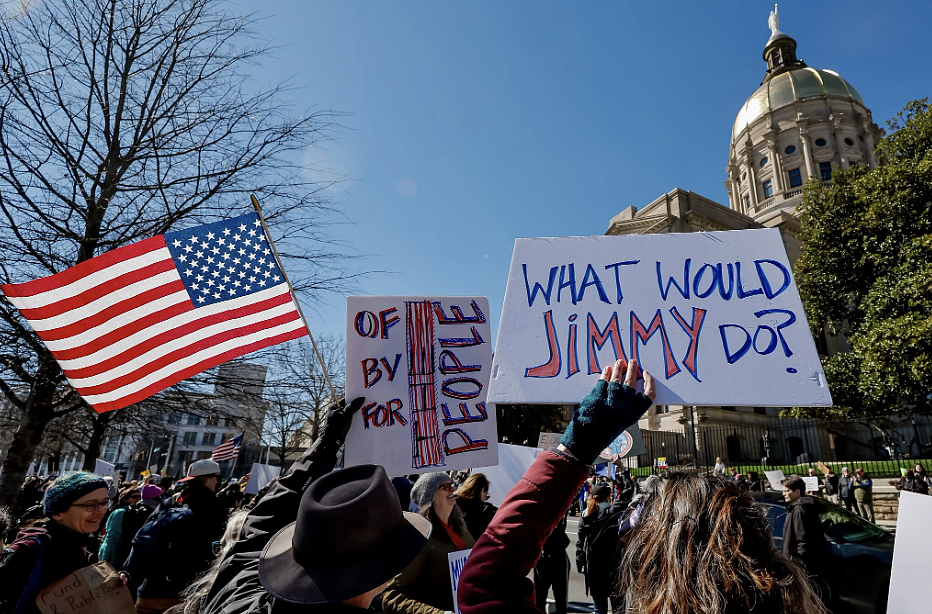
(22, 450)
(99, 423)
(38, 413)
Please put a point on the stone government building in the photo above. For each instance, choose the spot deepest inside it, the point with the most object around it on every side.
(800, 124)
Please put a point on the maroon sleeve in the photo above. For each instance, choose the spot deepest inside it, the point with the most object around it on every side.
(495, 576)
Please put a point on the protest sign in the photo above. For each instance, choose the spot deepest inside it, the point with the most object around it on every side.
(259, 476)
(153, 469)
(607, 470)
(662, 462)
(629, 443)
(102, 467)
(97, 589)
(423, 364)
(911, 555)
(812, 483)
(457, 560)
(700, 311)
(775, 478)
(513, 461)
(548, 440)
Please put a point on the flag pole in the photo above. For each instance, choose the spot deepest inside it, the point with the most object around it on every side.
(320, 359)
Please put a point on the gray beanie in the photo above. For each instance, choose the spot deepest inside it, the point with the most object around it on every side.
(423, 491)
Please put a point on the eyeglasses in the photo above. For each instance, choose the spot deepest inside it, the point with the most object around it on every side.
(92, 506)
(448, 487)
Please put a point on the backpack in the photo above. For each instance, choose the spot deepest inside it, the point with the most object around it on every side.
(164, 543)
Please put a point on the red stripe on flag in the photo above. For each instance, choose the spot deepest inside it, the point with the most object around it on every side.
(195, 369)
(124, 331)
(172, 334)
(92, 294)
(184, 352)
(105, 315)
(84, 269)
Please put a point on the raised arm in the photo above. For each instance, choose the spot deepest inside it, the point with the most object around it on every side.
(495, 576)
(239, 577)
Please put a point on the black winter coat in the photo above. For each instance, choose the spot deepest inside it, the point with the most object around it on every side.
(476, 514)
(63, 552)
(598, 549)
(210, 516)
(803, 537)
(237, 589)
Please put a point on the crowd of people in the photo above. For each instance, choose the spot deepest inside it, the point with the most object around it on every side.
(324, 540)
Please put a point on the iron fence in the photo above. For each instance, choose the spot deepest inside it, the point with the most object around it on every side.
(883, 447)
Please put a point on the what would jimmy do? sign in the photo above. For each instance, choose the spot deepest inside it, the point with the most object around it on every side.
(715, 317)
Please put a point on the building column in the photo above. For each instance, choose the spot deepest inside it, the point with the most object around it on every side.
(807, 153)
(777, 165)
(839, 141)
(868, 147)
(752, 178)
(731, 184)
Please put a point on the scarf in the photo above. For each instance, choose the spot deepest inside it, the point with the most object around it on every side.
(454, 536)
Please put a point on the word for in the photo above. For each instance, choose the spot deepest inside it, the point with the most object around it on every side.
(701, 282)
(763, 341)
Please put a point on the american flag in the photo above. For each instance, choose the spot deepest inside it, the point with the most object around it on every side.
(137, 319)
(228, 450)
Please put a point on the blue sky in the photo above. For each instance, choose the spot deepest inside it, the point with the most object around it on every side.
(473, 123)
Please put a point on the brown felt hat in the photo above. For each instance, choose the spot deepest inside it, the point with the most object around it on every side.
(350, 536)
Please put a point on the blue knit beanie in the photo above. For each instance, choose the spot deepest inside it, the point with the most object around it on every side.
(69, 488)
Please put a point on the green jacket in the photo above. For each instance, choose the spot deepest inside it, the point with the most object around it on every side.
(863, 489)
(424, 586)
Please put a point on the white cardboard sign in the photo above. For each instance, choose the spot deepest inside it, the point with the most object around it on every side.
(911, 555)
(102, 467)
(812, 483)
(546, 441)
(457, 560)
(423, 364)
(513, 461)
(259, 476)
(714, 316)
(775, 478)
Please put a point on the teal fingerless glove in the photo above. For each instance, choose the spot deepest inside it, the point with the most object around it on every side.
(608, 410)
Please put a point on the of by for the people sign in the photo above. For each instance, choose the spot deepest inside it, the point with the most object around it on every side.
(714, 316)
(423, 365)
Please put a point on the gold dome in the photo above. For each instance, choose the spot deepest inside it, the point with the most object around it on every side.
(788, 87)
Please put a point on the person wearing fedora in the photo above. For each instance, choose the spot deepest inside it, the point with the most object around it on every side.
(319, 540)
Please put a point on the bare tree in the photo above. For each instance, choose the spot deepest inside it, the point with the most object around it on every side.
(299, 393)
(122, 119)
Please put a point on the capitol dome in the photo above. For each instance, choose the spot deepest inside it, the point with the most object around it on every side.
(789, 87)
(799, 125)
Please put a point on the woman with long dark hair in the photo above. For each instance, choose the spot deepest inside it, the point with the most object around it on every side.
(699, 545)
(424, 586)
(473, 500)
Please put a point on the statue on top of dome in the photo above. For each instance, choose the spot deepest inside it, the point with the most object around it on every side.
(774, 22)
